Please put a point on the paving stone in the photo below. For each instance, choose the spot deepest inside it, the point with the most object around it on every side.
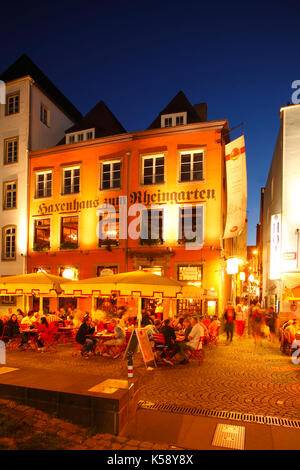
(120, 439)
(133, 442)
(146, 444)
(116, 446)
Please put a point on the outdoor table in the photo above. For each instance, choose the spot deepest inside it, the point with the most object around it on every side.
(65, 332)
(100, 337)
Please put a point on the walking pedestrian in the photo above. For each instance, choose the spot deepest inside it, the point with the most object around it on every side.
(229, 318)
(258, 324)
(240, 320)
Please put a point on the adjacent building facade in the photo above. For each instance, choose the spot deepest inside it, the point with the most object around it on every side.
(280, 226)
(167, 184)
(35, 115)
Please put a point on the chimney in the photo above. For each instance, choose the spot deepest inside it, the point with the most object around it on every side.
(201, 110)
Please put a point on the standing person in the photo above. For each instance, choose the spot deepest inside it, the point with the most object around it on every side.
(240, 320)
(270, 320)
(229, 318)
(258, 323)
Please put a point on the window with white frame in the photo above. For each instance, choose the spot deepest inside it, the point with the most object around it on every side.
(10, 195)
(171, 120)
(11, 150)
(71, 180)
(111, 175)
(44, 183)
(13, 103)
(44, 115)
(191, 166)
(9, 243)
(81, 136)
(153, 169)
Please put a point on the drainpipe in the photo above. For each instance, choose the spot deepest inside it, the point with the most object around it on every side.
(128, 153)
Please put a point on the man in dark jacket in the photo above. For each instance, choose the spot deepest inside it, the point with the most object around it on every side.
(229, 318)
(170, 340)
(82, 337)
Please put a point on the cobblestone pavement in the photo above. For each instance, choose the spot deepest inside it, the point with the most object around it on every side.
(238, 377)
(73, 437)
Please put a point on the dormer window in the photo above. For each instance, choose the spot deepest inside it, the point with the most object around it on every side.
(81, 136)
(172, 120)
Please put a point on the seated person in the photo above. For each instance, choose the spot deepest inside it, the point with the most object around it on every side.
(119, 338)
(13, 329)
(153, 330)
(187, 328)
(28, 320)
(146, 319)
(291, 330)
(193, 343)
(214, 326)
(170, 340)
(43, 333)
(1, 327)
(206, 321)
(82, 336)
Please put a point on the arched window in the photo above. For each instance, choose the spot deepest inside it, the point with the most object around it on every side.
(9, 242)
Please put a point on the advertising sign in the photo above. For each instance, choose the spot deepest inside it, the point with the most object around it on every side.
(275, 246)
(236, 174)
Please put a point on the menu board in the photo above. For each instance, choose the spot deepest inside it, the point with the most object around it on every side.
(140, 338)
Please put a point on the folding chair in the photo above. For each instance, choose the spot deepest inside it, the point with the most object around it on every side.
(198, 353)
(213, 339)
(161, 347)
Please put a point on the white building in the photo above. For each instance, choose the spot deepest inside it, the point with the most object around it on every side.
(35, 116)
(281, 219)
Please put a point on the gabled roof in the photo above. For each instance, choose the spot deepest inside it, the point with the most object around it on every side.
(101, 119)
(180, 104)
(25, 66)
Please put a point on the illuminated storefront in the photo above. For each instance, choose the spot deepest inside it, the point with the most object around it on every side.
(180, 170)
(281, 219)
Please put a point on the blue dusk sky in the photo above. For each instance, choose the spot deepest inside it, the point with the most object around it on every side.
(239, 57)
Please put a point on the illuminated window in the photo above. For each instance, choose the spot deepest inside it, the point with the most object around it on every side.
(171, 120)
(13, 103)
(187, 223)
(109, 230)
(111, 175)
(44, 184)
(41, 235)
(106, 270)
(189, 273)
(10, 195)
(11, 150)
(191, 166)
(44, 115)
(9, 243)
(153, 169)
(69, 272)
(152, 227)
(71, 180)
(69, 233)
(8, 300)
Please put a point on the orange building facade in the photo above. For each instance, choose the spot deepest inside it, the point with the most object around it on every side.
(172, 168)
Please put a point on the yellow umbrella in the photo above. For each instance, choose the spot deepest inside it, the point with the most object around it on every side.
(134, 283)
(32, 284)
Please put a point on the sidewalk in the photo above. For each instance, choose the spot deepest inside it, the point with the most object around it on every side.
(197, 433)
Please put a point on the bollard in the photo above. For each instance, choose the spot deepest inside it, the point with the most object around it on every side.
(130, 366)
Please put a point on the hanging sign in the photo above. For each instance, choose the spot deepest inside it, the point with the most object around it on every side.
(236, 174)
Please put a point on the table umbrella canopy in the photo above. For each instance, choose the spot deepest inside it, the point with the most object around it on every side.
(35, 283)
(134, 283)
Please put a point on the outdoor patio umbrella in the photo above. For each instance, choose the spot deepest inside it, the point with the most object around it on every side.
(33, 284)
(134, 283)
